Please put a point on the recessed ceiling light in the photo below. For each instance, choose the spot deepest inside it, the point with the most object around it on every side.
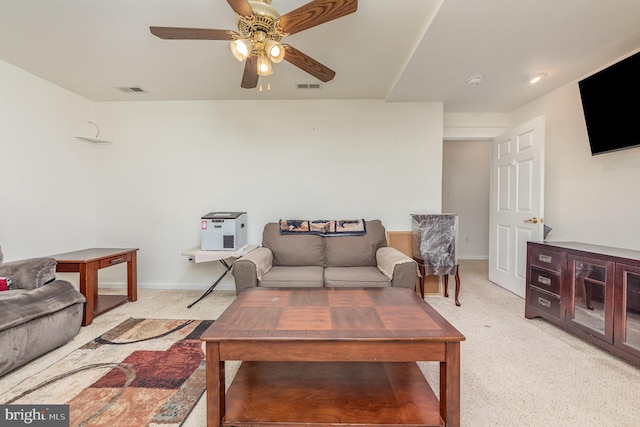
(535, 79)
(475, 80)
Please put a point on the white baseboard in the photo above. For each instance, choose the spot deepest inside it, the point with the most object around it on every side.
(224, 285)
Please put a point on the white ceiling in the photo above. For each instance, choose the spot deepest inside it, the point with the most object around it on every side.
(394, 50)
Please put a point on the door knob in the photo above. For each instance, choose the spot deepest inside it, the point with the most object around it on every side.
(533, 220)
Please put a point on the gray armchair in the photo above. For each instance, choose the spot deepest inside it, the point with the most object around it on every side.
(38, 314)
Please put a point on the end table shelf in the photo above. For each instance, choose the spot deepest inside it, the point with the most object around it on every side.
(104, 303)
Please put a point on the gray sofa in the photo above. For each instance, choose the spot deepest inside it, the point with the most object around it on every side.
(308, 260)
(39, 314)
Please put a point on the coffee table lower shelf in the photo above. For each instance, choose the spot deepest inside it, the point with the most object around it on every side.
(266, 394)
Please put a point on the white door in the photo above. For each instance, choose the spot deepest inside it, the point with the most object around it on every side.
(516, 202)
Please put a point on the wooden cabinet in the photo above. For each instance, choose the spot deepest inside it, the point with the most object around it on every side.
(589, 299)
(627, 318)
(589, 290)
(545, 268)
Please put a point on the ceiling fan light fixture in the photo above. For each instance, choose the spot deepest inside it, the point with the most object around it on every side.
(274, 50)
(260, 30)
(241, 49)
(264, 66)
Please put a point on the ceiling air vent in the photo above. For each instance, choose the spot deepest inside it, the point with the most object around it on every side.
(309, 86)
(132, 89)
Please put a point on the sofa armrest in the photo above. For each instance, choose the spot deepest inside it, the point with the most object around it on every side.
(398, 267)
(29, 273)
(249, 269)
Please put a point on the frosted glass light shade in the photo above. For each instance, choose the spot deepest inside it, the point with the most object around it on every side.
(241, 49)
(274, 50)
(264, 66)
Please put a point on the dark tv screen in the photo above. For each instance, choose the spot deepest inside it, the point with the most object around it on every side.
(611, 105)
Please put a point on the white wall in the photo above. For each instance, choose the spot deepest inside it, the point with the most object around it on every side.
(172, 162)
(465, 191)
(593, 199)
(47, 195)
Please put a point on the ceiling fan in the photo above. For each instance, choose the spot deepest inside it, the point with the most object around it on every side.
(260, 30)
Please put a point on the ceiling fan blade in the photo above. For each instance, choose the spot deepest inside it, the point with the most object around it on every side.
(250, 75)
(308, 64)
(315, 13)
(241, 7)
(174, 33)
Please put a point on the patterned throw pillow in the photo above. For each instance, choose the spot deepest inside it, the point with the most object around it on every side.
(5, 284)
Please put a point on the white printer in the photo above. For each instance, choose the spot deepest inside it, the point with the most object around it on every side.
(222, 231)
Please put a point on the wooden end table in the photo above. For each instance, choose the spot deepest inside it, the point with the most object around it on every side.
(328, 357)
(87, 262)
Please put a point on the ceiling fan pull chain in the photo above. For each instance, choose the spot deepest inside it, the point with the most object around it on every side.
(260, 84)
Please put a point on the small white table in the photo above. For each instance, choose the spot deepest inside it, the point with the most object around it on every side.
(197, 255)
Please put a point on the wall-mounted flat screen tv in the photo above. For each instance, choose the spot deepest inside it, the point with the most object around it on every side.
(611, 104)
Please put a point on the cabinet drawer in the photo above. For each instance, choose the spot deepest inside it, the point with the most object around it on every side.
(544, 301)
(545, 280)
(115, 260)
(544, 258)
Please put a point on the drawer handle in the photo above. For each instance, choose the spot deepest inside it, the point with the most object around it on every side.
(543, 302)
(545, 258)
(544, 280)
(116, 261)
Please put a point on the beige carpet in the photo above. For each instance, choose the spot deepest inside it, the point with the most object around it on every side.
(515, 372)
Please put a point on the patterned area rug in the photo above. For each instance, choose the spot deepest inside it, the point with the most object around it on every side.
(143, 372)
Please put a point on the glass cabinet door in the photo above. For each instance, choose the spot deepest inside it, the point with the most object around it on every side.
(628, 303)
(591, 305)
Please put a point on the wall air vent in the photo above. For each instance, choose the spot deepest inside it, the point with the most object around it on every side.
(132, 89)
(309, 85)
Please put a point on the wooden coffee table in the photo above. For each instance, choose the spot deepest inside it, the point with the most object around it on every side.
(331, 357)
(87, 262)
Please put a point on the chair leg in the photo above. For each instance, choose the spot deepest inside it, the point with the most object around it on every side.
(446, 286)
(421, 279)
(457, 285)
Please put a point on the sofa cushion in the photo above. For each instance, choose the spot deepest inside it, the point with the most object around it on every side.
(354, 277)
(20, 306)
(25, 342)
(293, 250)
(356, 251)
(293, 277)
